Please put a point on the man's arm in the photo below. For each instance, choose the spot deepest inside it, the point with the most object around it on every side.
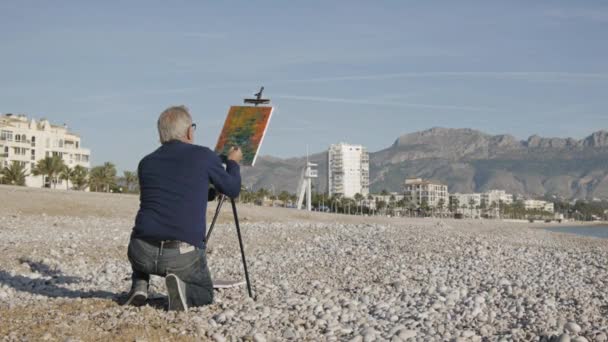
(227, 181)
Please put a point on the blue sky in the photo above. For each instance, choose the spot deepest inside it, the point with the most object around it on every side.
(356, 71)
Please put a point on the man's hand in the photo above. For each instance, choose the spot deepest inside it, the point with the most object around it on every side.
(235, 154)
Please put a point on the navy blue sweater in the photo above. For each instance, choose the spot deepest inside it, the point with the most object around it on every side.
(174, 184)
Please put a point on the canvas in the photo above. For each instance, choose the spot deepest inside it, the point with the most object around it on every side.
(245, 127)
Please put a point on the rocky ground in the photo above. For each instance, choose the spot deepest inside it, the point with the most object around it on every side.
(63, 271)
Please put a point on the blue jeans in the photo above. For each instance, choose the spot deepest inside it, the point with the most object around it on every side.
(191, 268)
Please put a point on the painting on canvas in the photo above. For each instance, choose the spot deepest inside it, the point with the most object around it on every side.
(244, 127)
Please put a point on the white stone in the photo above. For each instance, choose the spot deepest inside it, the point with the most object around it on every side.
(572, 327)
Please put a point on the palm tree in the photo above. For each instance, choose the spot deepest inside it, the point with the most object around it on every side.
(471, 206)
(79, 178)
(14, 174)
(109, 175)
(454, 205)
(464, 207)
(130, 179)
(358, 199)
(391, 201)
(96, 178)
(440, 206)
(50, 168)
(67, 174)
(284, 197)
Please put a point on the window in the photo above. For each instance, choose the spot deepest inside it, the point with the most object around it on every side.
(33, 141)
(23, 138)
(85, 158)
(77, 144)
(48, 143)
(6, 135)
(60, 143)
(17, 138)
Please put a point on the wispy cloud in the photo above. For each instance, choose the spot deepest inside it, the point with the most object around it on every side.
(528, 75)
(597, 15)
(380, 103)
(205, 35)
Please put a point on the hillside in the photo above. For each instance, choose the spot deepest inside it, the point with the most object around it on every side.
(469, 160)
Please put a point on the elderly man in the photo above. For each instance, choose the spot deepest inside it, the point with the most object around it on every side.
(167, 239)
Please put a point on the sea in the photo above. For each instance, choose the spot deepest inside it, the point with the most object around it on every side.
(592, 231)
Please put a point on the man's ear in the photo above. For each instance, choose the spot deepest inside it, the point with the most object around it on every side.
(190, 134)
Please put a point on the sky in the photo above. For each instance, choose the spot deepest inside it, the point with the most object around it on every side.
(362, 72)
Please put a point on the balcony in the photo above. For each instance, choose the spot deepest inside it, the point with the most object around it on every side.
(3, 155)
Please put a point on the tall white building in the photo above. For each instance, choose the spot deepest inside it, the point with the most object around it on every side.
(27, 141)
(348, 170)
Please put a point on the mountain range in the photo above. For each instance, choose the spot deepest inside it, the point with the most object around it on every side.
(467, 161)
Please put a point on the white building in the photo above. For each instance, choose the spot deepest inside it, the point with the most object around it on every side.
(497, 197)
(539, 205)
(348, 170)
(467, 204)
(418, 191)
(27, 141)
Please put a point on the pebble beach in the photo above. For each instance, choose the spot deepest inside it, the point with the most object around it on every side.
(316, 277)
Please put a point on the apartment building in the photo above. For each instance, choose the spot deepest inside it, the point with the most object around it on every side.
(27, 141)
(466, 199)
(348, 170)
(419, 191)
(497, 197)
(539, 205)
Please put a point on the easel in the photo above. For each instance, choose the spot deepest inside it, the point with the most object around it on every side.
(222, 198)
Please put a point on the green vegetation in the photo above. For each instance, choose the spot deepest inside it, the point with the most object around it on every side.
(14, 174)
(49, 168)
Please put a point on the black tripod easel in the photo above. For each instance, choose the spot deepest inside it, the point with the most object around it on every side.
(220, 201)
(222, 198)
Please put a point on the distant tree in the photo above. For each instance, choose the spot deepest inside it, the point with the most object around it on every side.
(384, 192)
(80, 178)
(14, 174)
(411, 207)
(440, 205)
(50, 168)
(96, 178)
(454, 205)
(471, 206)
(109, 175)
(67, 174)
(358, 199)
(381, 205)
(284, 197)
(130, 179)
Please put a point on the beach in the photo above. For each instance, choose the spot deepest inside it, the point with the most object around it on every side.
(317, 277)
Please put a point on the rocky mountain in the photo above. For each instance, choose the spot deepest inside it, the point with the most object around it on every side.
(468, 161)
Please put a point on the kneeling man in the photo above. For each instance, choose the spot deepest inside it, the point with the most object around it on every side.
(167, 239)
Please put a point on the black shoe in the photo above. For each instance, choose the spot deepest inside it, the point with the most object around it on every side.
(137, 298)
(176, 290)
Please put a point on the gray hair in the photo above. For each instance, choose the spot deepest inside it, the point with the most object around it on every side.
(173, 123)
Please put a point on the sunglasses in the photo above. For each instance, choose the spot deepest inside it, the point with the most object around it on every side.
(194, 127)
